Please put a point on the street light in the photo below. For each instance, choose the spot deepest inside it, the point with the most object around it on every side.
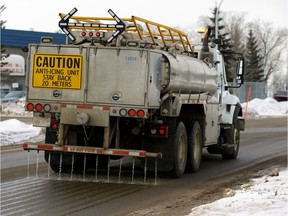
(216, 22)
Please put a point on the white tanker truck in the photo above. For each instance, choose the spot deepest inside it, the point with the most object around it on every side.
(130, 88)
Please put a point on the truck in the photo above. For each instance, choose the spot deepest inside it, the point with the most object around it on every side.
(130, 87)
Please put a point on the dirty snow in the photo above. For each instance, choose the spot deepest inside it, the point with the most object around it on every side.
(263, 196)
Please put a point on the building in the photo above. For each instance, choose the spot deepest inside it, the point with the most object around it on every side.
(15, 43)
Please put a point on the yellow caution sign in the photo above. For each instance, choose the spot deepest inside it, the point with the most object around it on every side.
(57, 71)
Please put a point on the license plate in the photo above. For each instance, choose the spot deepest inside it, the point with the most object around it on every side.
(57, 71)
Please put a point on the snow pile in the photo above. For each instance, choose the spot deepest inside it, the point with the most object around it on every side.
(261, 108)
(262, 196)
(14, 132)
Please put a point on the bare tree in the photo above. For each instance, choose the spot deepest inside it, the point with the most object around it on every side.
(273, 44)
(237, 28)
(2, 22)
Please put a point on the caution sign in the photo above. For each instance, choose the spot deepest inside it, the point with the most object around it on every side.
(57, 71)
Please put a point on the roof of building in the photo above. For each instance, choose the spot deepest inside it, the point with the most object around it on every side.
(21, 38)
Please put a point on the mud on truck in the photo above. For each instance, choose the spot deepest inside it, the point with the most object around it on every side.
(130, 87)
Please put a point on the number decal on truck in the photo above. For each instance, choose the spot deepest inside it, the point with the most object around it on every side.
(57, 71)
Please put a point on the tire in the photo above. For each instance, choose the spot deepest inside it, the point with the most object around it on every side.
(180, 150)
(195, 144)
(233, 137)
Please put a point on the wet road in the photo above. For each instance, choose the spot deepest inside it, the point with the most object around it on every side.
(48, 193)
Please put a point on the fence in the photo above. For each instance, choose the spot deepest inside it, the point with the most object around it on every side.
(258, 90)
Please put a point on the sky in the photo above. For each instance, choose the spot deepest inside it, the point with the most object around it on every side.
(40, 15)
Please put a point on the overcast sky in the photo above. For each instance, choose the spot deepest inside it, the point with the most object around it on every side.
(42, 15)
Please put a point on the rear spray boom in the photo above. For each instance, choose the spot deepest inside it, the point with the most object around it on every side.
(91, 150)
(64, 24)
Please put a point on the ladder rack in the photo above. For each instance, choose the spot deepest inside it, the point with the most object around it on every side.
(144, 29)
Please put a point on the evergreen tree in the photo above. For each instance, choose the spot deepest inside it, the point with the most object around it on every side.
(254, 68)
(225, 43)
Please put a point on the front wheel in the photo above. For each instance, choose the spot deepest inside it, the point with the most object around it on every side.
(233, 138)
(180, 150)
(195, 144)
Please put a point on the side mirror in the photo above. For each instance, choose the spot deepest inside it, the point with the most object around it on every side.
(240, 71)
(240, 67)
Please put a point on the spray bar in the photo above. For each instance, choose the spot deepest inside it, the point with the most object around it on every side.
(91, 150)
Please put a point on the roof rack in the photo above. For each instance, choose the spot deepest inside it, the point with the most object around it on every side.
(143, 28)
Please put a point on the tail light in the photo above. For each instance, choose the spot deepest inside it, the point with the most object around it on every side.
(160, 131)
(123, 112)
(140, 113)
(131, 112)
(38, 107)
(30, 107)
(54, 124)
(46, 107)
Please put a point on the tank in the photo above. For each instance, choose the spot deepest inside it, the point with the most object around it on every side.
(188, 75)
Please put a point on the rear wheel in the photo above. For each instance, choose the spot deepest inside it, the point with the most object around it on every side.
(194, 156)
(180, 150)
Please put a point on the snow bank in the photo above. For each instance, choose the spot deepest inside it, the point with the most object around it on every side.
(266, 196)
(261, 108)
(14, 132)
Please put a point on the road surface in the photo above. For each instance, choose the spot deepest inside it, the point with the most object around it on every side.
(48, 193)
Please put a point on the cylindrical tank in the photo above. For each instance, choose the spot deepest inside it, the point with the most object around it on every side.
(186, 74)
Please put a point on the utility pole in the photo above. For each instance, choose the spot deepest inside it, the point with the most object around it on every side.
(216, 22)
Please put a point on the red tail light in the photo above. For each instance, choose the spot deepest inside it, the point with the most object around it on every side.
(162, 130)
(131, 112)
(38, 107)
(54, 126)
(140, 113)
(90, 34)
(30, 107)
(83, 34)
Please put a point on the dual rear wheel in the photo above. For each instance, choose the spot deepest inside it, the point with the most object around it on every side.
(187, 148)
